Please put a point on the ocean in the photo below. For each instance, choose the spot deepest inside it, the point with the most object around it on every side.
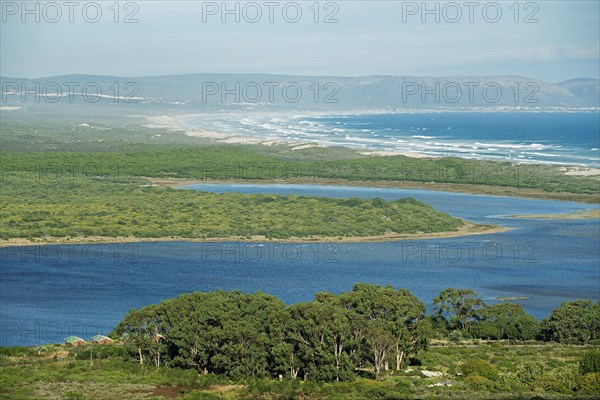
(525, 137)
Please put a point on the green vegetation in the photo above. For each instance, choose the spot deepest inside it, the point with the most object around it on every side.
(480, 368)
(101, 186)
(91, 145)
(236, 162)
(575, 322)
(506, 321)
(129, 207)
(114, 184)
(254, 335)
(373, 342)
(371, 329)
(460, 307)
(590, 363)
(57, 372)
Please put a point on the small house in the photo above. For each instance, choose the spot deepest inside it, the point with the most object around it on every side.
(74, 341)
(101, 339)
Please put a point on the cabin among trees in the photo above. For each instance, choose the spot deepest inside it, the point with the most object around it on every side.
(101, 339)
(74, 341)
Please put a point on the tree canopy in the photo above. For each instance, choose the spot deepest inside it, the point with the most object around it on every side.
(369, 328)
(244, 335)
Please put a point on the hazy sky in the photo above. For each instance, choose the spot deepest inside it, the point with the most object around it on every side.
(369, 37)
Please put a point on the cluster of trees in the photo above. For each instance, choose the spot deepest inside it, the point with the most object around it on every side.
(371, 328)
(460, 313)
(256, 335)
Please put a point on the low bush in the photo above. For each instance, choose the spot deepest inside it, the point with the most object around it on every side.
(590, 362)
(202, 396)
(558, 380)
(455, 336)
(590, 383)
(528, 373)
(483, 368)
(478, 382)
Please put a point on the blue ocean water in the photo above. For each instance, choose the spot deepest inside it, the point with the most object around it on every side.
(50, 292)
(557, 138)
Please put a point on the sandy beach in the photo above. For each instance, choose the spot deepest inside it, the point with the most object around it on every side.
(581, 171)
(585, 214)
(173, 124)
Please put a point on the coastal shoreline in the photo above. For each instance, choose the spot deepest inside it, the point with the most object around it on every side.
(579, 214)
(468, 229)
(174, 124)
(529, 193)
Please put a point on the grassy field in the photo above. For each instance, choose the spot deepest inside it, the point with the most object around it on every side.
(103, 372)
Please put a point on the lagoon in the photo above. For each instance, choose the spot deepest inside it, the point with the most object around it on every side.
(50, 292)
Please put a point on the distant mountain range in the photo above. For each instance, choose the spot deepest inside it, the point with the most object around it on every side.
(196, 92)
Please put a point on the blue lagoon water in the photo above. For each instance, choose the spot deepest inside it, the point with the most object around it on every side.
(50, 292)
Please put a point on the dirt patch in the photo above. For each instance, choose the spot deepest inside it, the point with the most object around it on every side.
(169, 392)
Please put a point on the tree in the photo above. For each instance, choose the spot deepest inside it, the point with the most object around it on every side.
(505, 321)
(400, 313)
(412, 328)
(321, 334)
(193, 321)
(223, 332)
(381, 342)
(461, 308)
(573, 322)
(141, 329)
(286, 359)
(247, 329)
(339, 338)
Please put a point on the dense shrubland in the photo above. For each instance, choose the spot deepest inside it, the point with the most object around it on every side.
(129, 207)
(234, 162)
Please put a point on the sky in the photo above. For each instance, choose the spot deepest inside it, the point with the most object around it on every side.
(547, 40)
